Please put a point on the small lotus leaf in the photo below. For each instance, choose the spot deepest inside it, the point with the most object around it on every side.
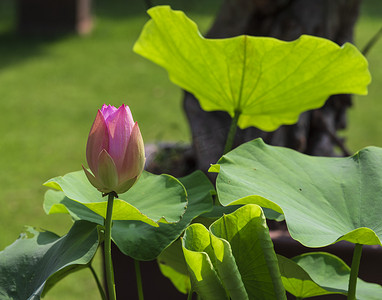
(319, 273)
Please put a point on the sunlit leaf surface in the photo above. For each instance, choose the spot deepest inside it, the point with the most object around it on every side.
(324, 199)
(270, 82)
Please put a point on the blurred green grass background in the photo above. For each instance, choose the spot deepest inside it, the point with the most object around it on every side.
(50, 90)
(365, 122)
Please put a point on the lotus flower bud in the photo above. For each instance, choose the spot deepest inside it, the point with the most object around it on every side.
(114, 151)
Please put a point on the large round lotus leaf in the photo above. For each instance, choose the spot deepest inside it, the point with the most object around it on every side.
(154, 198)
(323, 199)
(268, 81)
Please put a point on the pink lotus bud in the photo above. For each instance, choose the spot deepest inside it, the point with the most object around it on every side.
(115, 151)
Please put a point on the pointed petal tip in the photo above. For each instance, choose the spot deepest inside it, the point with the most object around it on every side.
(129, 114)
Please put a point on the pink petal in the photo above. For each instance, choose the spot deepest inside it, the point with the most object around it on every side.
(97, 141)
(119, 125)
(134, 160)
(129, 116)
(108, 110)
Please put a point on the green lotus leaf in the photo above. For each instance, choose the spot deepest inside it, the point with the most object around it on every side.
(153, 199)
(268, 81)
(144, 242)
(199, 257)
(173, 266)
(239, 250)
(37, 260)
(218, 211)
(319, 273)
(323, 199)
(298, 282)
(56, 202)
(138, 239)
(181, 281)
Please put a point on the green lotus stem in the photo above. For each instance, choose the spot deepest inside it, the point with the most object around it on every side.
(354, 271)
(190, 292)
(99, 285)
(107, 247)
(139, 279)
(231, 133)
(372, 42)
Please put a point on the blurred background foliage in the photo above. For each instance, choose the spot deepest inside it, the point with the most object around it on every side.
(51, 88)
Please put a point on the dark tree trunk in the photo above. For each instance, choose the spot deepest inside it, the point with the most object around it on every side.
(315, 132)
(57, 17)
